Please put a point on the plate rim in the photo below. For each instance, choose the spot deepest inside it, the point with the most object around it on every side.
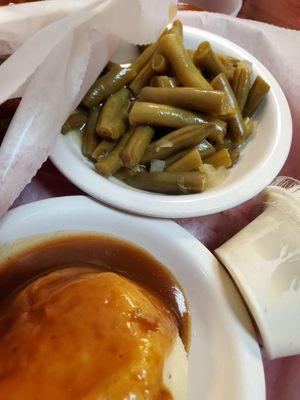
(250, 360)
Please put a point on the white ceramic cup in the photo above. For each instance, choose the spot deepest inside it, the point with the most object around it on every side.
(264, 261)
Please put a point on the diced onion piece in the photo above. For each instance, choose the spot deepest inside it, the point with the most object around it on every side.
(214, 176)
(157, 165)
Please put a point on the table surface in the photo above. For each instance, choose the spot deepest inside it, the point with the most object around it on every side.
(284, 13)
(282, 376)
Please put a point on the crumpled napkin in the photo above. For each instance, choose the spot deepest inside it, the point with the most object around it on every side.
(58, 50)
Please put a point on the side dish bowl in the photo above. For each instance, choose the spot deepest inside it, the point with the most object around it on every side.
(259, 163)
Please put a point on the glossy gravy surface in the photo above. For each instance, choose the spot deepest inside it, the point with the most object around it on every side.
(87, 317)
(102, 252)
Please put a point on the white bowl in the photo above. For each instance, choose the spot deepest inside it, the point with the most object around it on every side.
(225, 361)
(260, 161)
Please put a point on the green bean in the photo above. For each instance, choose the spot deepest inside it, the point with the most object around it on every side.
(205, 148)
(172, 47)
(108, 84)
(227, 59)
(175, 141)
(77, 120)
(207, 59)
(112, 163)
(163, 81)
(210, 101)
(191, 54)
(226, 117)
(177, 28)
(234, 155)
(176, 156)
(217, 135)
(111, 65)
(90, 137)
(256, 95)
(227, 144)
(125, 173)
(136, 146)
(240, 85)
(103, 149)
(169, 182)
(188, 162)
(143, 77)
(230, 63)
(159, 64)
(143, 59)
(236, 124)
(143, 113)
(219, 158)
(113, 120)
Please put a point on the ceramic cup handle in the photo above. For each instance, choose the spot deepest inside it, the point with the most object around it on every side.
(264, 261)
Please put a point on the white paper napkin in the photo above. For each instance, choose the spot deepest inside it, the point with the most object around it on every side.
(61, 47)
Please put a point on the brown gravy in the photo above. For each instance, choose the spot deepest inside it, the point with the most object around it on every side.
(95, 250)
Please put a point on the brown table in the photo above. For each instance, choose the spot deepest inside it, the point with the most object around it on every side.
(284, 13)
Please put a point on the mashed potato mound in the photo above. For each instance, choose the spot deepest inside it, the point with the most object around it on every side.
(81, 334)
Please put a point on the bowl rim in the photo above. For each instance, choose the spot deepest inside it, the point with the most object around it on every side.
(192, 205)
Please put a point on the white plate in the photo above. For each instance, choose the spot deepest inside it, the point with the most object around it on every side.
(259, 164)
(225, 361)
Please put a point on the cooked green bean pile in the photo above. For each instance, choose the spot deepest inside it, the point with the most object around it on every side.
(157, 123)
